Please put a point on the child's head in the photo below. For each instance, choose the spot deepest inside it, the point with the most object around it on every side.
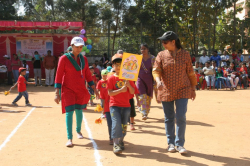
(207, 64)
(22, 71)
(104, 74)
(244, 65)
(94, 65)
(213, 63)
(196, 71)
(91, 68)
(116, 63)
(219, 69)
(196, 64)
(232, 65)
(24, 62)
(200, 65)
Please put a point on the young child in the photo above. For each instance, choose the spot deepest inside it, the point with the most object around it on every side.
(132, 108)
(102, 87)
(21, 85)
(119, 91)
(219, 77)
(91, 91)
(198, 79)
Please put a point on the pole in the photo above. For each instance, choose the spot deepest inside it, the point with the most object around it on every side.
(209, 37)
(109, 40)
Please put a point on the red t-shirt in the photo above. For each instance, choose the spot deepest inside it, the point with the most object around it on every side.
(197, 77)
(243, 69)
(106, 103)
(234, 56)
(122, 99)
(8, 64)
(136, 92)
(102, 86)
(97, 71)
(21, 84)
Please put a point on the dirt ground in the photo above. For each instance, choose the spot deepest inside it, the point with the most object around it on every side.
(217, 133)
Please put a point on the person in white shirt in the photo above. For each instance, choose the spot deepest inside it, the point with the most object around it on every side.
(203, 59)
(224, 59)
(25, 65)
(209, 75)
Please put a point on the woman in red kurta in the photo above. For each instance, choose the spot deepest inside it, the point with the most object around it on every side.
(72, 72)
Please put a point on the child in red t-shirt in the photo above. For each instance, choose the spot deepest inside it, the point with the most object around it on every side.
(102, 87)
(120, 92)
(91, 91)
(21, 85)
(198, 79)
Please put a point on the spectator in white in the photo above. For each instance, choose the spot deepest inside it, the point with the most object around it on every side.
(224, 59)
(203, 59)
(209, 75)
(49, 64)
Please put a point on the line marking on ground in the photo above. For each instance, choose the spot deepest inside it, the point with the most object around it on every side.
(96, 153)
(15, 130)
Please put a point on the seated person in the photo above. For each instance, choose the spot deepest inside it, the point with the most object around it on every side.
(231, 73)
(219, 78)
(209, 72)
(244, 75)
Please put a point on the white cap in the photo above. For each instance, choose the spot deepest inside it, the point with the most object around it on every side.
(77, 41)
(6, 56)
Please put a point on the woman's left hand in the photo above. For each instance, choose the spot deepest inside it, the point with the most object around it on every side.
(97, 96)
(193, 95)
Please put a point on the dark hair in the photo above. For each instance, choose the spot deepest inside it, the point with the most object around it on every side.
(216, 51)
(208, 62)
(109, 64)
(24, 63)
(96, 61)
(144, 45)
(62, 52)
(35, 52)
(178, 44)
(244, 63)
(16, 56)
(49, 51)
(105, 54)
(116, 61)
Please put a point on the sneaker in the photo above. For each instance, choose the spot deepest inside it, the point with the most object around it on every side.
(14, 104)
(171, 148)
(28, 104)
(117, 149)
(181, 150)
(79, 135)
(121, 144)
(69, 143)
(111, 142)
(144, 117)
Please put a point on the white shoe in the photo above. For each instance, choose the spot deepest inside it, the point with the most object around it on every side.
(171, 148)
(181, 150)
(79, 135)
(144, 117)
(69, 143)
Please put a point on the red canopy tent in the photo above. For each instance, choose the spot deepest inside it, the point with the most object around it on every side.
(60, 41)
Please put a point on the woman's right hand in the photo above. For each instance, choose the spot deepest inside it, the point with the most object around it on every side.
(159, 85)
(57, 99)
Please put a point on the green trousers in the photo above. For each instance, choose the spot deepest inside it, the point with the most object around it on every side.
(69, 122)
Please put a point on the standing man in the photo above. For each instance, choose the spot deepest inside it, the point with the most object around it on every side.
(203, 59)
(49, 64)
(224, 59)
(37, 68)
(215, 58)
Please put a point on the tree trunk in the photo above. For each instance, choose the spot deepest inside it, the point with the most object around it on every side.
(234, 24)
(116, 26)
(194, 27)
